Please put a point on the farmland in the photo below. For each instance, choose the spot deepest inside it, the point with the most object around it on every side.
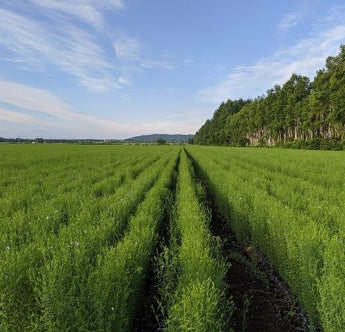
(121, 238)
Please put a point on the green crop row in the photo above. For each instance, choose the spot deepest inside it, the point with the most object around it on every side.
(192, 270)
(82, 226)
(121, 270)
(48, 254)
(47, 215)
(65, 277)
(293, 215)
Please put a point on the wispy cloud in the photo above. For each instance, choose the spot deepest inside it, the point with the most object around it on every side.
(289, 21)
(157, 64)
(61, 116)
(38, 100)
(66, 46)
(26, 123)
(303, 58)
(335, 15)
(12, 116)
(130, 50)
(187, 62)
(42, 111)
(127, 49)
(44, 33)
(88, 11)
(131, 58)
(124, 80)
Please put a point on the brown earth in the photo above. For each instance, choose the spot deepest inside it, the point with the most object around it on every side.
(262, 299)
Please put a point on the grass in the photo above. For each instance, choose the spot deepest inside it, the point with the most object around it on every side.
(289, 204)
(54, 230)
(194, 271)
(80, 228)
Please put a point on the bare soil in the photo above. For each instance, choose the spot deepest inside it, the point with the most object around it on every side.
(263, 301)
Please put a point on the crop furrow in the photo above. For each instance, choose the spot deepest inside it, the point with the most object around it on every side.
(191, 270)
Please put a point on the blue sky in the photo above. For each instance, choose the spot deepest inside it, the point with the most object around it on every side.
(120, 68)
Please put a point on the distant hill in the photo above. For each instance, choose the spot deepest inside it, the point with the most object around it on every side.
(168, 138)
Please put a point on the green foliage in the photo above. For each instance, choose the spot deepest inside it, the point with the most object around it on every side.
(64, 207)
(214, 132)
(289, 204)
(161, 141)
(198, 308)
(80, 227)
(308, 113)
(117, 280)
(331, 286)
(198, 302)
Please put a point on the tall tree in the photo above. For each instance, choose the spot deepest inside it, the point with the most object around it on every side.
(297, 110)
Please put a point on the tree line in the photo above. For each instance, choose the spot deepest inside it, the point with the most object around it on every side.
(300, 113)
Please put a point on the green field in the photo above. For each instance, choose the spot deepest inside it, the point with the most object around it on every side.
(117, 238)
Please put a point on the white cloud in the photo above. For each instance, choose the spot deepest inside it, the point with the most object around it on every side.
(82, 10)
(131, 50)
(43, 33)
(107, 3)
(123, 80)
(39, 100)
(88, 11)
(131, 58)
(335, 15)
(68, 47)
(157, 64)
(8, 115)
(25, 123)
(55, 118)
(289, 21)
(304, 58)
(187, 62)
(127, 49)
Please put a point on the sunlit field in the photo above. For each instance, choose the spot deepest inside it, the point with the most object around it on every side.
(120, 238)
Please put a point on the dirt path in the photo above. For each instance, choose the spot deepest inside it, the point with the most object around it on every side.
(263, 300)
